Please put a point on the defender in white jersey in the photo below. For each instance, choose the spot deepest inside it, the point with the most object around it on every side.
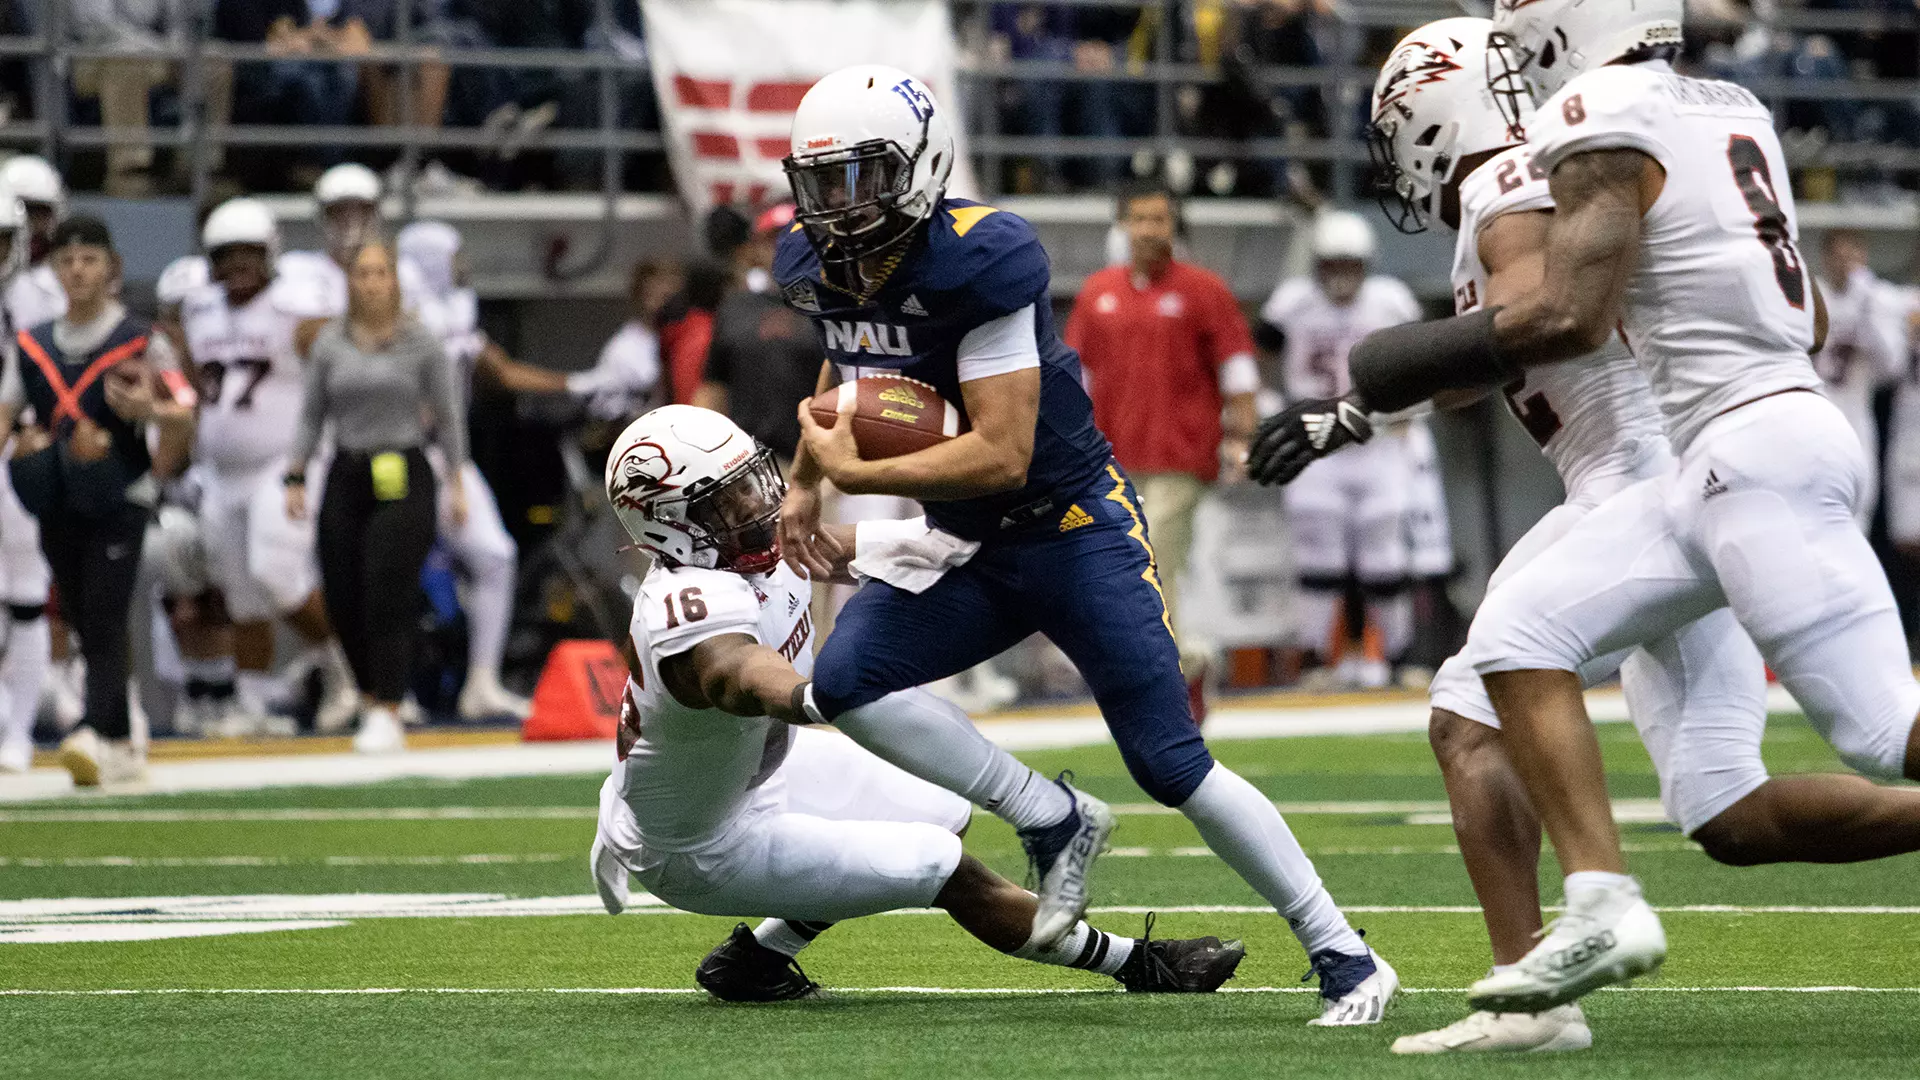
(34, 296)
(241, 332)
(478, 539)
(1865, 347)
(721, 805)
(1668, 224)
(1348, 514)
(26, 644)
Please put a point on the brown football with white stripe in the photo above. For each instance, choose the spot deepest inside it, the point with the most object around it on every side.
(892, 414)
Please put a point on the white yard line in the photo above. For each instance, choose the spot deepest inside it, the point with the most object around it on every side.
(1415, 812)
(270, 907)
(148, 862)
(936, 991)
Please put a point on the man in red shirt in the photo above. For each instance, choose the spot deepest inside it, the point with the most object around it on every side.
(1170, 367)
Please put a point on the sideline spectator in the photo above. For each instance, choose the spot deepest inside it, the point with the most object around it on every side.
(125, 85)
(1167, 353)
(315, 82)
(764, 357)
(1094, 40)
(94, 379)
(624, 381)
(382, 381)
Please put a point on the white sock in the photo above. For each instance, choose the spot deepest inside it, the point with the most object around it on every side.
(333, 661)
(1593, 880)
(932, 739)
(29, 653)
(1394, 616)
(788, 936)
(1244, 828)
(489, 603)
(1315, 609)
(1084, 948)
(255, 689)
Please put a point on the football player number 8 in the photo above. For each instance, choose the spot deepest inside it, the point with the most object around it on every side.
(1769, 221)
(692, 608)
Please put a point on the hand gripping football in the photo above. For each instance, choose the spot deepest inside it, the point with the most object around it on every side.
(892, 414)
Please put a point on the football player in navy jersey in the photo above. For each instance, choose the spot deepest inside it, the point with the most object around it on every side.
(1031, 525)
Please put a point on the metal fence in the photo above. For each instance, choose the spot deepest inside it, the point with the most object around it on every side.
(1343, 81)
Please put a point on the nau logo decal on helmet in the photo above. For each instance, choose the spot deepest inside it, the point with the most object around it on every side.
(1419, 64)
(916, 99)
(642, 472)
(880, 339)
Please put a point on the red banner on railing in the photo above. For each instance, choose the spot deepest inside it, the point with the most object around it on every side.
(729, 74)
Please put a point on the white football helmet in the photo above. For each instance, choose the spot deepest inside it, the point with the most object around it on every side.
(869, 160)
(347, 182)
(349, 198)
(693, 489)
(13, 234)
(1342, 235)
(1432, 107)
(33, 180)
(181, 276)
(241, 221)
(1539, 46)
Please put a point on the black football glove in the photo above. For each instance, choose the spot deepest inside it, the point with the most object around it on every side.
(1303, 433)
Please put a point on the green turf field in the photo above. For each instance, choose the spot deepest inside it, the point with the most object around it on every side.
(369, 991)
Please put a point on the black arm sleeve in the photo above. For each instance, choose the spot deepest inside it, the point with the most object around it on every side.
(1407, 364)
(1268, 337)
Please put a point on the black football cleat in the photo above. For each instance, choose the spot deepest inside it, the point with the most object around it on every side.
(1189, 966)
(742, 970)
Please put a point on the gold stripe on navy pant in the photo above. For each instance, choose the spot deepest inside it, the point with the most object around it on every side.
(1139, 532)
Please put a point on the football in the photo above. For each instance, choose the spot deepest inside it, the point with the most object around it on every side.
(892, 414)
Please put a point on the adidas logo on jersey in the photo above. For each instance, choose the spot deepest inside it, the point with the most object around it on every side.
(1075, 518)
(1714, 486)
(912, 306)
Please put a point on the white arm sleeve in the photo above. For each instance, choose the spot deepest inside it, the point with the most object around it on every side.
(13, 392)
(999, 346)
(1239, 375)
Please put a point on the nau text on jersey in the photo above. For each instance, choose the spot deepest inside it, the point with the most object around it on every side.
(880, 339)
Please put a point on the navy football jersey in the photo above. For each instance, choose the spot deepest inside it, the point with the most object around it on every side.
(972, 264)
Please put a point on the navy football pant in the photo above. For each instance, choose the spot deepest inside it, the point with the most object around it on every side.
(1092, 590)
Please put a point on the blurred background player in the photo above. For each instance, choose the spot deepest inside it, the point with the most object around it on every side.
(479, 543)
(720, 805)
(1865, 346)
(240, 330)
(1169, 365)
(627, 376)
(1349, 512)
(25, 641)
(348, 199)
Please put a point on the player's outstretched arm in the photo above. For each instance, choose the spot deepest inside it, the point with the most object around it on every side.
(1592, 249)
(737, 675)
(990, 458)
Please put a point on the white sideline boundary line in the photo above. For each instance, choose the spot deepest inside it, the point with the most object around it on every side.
(1227, 724)
(931, 991)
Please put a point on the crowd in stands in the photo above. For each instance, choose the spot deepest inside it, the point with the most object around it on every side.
(320, 71)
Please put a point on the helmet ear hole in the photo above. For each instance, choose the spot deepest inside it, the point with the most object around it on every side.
(1548, 53)
(1426, 137)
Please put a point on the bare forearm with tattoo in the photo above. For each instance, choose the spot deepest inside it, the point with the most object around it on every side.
(737, 675)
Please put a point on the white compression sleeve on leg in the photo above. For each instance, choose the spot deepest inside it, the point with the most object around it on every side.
(932, 739)
(1083, 947)
(1243, 827)
(23, 670)
(489, 601)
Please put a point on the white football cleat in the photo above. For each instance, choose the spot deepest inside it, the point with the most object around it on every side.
(483, 698)
(1061, 857)
(98, 762)
(338, 708)
(1346, 1002)
(1563, 1028)
(380, 732)
(609, 876)
(1607, 935)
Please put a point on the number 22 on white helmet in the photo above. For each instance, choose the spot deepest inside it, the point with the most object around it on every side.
(692, 489)
(1432, 109)
(1539, 46)
(869, 160)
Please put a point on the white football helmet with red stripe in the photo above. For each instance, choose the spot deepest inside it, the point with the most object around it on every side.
(693, 489)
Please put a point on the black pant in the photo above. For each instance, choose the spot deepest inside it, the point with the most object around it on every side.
(94, 562)
(371, 551)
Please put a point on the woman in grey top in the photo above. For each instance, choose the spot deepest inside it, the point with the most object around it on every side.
(383, 382)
